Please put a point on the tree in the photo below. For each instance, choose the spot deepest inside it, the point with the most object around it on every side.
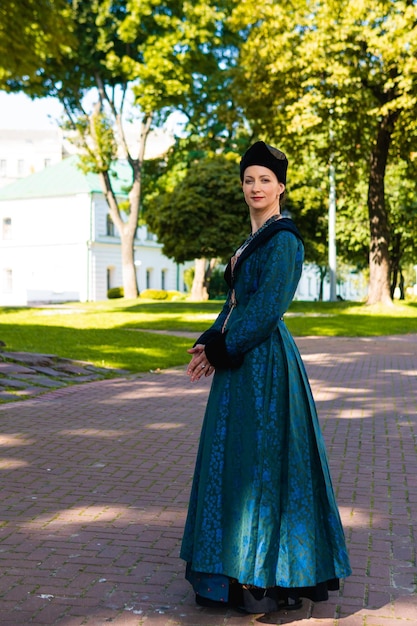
(162, 54)
(203, 217)
(340, 75)
(307, 205)
(402, 203)
(31, 33)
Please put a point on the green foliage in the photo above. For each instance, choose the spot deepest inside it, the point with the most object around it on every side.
(162, 294)
(163, 56)
(102, 132)
(170, 53)
(189, 277)
(352, 223)
(307, 204)
(32, 33)
(115, 292)
(335, 80)
(353, 63)
(154, 294)
(217, 286)
(204, 216)
(402, 203)
(325, 80)
(175, 296)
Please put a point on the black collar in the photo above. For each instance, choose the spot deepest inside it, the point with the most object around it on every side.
(284, 223)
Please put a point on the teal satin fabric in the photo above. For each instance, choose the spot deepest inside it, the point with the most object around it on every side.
(262, 507)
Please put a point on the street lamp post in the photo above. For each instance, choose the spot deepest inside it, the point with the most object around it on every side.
(332, 232)
(332, 218)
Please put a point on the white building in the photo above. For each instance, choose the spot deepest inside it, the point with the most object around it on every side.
(58, 243)
(353, 287)
(24, 152)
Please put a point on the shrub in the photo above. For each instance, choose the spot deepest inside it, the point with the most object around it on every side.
(115, 292)
(189, 277)
(217, 286)
(176, 296)
(154, 294)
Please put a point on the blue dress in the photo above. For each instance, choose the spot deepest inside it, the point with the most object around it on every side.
(262, 508)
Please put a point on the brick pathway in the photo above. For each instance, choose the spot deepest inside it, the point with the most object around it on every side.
(96, 477)
(24, 375)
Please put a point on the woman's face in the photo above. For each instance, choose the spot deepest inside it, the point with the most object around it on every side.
(261, 189)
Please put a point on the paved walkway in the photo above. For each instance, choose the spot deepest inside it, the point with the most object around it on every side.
(96, 477)
(25, 375)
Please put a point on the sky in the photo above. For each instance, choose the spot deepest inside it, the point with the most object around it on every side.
(18, 112)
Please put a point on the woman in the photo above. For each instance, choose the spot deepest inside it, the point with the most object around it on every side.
(263, 528)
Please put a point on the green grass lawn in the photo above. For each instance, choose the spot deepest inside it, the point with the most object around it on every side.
(113, 333)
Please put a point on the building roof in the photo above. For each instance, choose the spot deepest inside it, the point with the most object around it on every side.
(65, 179)
(29, 135)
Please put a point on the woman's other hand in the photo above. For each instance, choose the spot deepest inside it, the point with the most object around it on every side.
(199, 365)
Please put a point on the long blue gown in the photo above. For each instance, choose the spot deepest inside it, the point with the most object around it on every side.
(262, 508)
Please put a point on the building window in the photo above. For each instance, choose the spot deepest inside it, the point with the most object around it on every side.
(47, 162)
(148, 279)
(7, 280)
(109, 226)
(110, 277)
(163, 279)
(7, 228)
(20, 167)
(3, 168)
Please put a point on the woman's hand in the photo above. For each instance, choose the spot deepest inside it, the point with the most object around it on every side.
(199, 364)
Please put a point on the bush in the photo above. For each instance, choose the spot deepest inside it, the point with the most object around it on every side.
(217, 286)
(176, 296)
(115, 292)
(154, 294)
(189, 277)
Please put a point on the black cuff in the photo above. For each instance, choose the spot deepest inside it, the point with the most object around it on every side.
(206, 336)
(217, 354)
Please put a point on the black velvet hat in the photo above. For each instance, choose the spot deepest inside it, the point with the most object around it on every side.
(267, 156)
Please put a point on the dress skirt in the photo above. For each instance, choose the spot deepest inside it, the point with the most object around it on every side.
(262, 508)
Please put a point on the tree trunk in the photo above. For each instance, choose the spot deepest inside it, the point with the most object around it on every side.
(127, 230)
(202, 274)
(100, 157)
(209, 271)
(322, 274)
(130, 283)
(379, 261)
(199, 289)
(401, 286)
(395, 261)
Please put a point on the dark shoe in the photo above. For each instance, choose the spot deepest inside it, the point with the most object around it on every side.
(257, 600)
(235, 594)
(290, 604)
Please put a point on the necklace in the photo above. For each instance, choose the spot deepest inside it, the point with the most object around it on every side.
(269, 221)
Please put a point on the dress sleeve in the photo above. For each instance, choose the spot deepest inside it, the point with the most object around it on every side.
(217, 325)
(277, 282)
(281, 265)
